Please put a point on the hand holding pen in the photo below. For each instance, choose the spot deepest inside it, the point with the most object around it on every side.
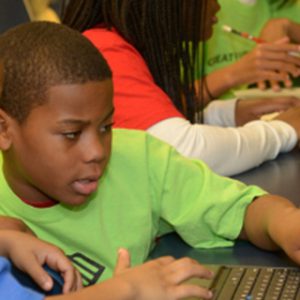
(271, 62)
(254, 38)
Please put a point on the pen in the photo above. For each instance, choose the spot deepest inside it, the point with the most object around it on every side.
(252, 38)
(242, 34)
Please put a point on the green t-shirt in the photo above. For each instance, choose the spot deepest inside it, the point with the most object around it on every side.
(148, 189)
(291, 10)
(250, 16)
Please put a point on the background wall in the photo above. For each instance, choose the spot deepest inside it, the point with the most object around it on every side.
(13, 12)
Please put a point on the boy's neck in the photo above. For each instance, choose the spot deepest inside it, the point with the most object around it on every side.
(43, 204)
(42, 201)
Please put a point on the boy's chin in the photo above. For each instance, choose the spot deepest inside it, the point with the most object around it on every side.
(75, 201)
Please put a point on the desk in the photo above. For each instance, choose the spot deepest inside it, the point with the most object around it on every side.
(280, 176)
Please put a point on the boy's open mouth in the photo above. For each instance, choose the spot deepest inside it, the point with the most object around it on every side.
(85, 186)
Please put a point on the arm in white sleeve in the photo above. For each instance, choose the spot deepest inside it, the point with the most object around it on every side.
(228, 151)
(220, 113)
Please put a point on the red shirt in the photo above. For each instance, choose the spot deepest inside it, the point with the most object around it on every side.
(139, 102)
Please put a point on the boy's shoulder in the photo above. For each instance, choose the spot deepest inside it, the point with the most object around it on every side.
(135, 138)
(137, 156)
(138, 143)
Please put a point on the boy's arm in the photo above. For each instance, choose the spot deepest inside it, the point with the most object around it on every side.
(159, 279)
(272, 222)
(10, 223)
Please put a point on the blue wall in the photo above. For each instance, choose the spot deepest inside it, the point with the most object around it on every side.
(12, 12)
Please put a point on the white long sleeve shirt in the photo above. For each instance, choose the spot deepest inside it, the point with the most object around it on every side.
(227, 150)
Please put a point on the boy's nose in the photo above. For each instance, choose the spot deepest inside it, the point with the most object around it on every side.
(95, 150)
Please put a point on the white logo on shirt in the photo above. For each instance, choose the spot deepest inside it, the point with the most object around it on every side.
(248, 2)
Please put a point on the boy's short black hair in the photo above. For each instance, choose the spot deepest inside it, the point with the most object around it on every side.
(38, 55)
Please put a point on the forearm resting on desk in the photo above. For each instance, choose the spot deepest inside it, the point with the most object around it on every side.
(10, 223)
(272, 222)
(211, 144)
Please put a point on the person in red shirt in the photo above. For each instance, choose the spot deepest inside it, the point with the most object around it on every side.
(149, 45)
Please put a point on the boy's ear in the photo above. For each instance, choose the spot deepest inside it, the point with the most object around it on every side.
(5, 136)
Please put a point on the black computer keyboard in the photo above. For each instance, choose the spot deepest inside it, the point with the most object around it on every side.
(256, 283)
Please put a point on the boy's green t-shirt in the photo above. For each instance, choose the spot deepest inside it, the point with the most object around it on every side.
(147, 190)
(225, 48)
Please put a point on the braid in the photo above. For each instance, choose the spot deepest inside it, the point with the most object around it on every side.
(81, 14)
(158, 29)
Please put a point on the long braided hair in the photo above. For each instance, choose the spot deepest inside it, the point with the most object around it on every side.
(165, 32)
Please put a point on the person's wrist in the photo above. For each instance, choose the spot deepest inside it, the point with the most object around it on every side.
(232, 76)
(129, 290)
(276, 232)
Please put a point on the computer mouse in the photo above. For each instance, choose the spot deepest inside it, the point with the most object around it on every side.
(27, 281)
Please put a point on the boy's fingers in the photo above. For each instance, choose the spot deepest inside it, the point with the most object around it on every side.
(72, 281)
(123, 261)
(33, 268)
(186, 268)
(191, 290)
(61, 264)
(79, 280)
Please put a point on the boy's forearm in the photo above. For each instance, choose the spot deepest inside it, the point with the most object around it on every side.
(10, 223)
(263, 218)
(105, 290)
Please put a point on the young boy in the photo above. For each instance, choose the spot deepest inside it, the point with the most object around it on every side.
(89, 191)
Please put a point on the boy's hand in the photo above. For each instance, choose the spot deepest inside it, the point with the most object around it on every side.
(29, 254)
(163, 278)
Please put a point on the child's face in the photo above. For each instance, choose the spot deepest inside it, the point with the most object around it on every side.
(62, 148)
(210, 17)
(210, 9)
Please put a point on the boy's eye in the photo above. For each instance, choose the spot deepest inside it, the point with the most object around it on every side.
(106, 128)
(71, 135)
